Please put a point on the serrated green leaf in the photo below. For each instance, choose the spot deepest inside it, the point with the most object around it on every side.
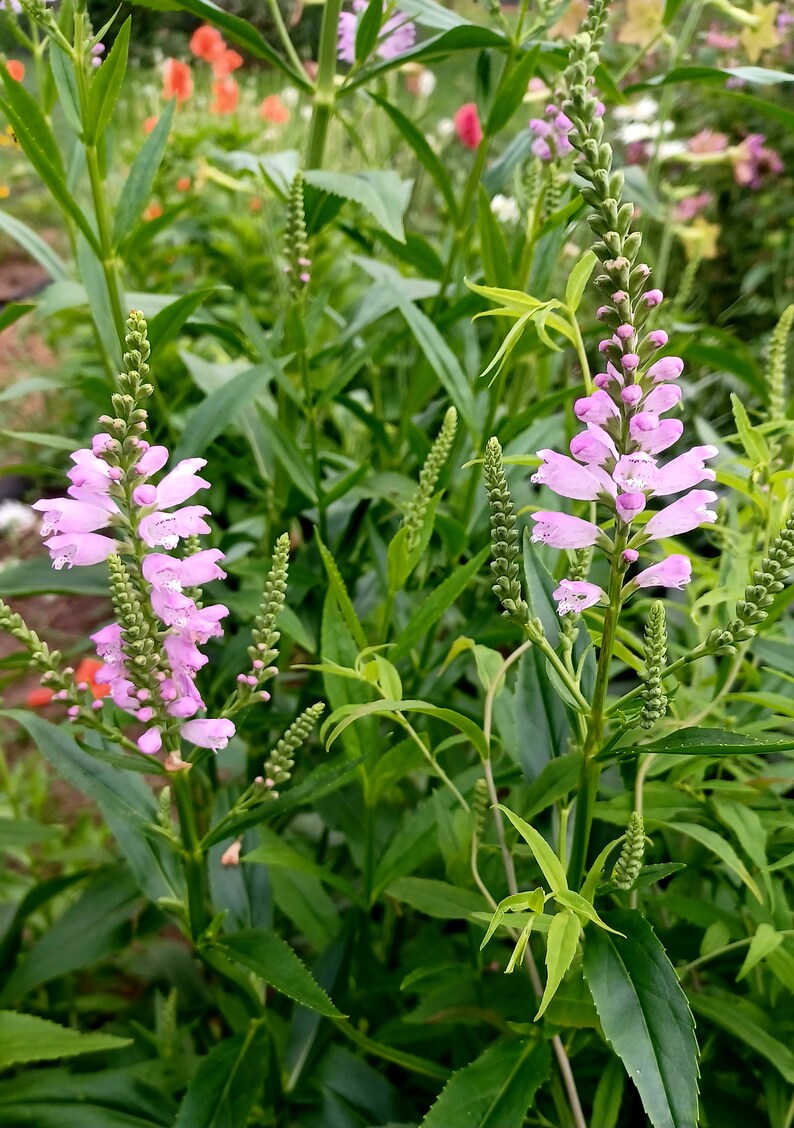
(766, 939)
(24, 1037)
(645, 1017)
(721, 848)
(433, 607)
(495, 1091)
(382, 193)
(561, 944)
(272, 959)
(227, 1082)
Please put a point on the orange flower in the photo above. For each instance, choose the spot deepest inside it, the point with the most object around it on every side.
(226, 62)
(227, 95)
(207, 43)
(274, 110)
(84, 676)
(154, 211)
(177, 80)
(150, 123)
(183, 184)
(16, 69)
(255, 204)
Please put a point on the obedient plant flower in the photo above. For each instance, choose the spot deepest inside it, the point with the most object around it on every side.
(551, 134)
(397, 35)
(150, 655)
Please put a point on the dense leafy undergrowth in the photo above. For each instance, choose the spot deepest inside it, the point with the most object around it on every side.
(418, 744)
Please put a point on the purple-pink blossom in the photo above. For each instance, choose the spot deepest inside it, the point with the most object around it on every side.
(397, 35)
(574, 596)
(551, 134)
(560, 530)
(672, 572)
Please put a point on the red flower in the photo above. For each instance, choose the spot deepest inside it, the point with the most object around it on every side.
(207, 43)
(177, 80)
(467, 125)
(150, 123)
(154, 211)
(183, 184)
(84, 675)
(16, 69)
(274, 110)
(227, 95)
(226, 62)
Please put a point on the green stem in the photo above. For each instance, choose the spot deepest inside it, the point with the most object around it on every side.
(284, 37)
(194, 858)
(109, 262)
(311, 419)
(325, 95)
(591, 768)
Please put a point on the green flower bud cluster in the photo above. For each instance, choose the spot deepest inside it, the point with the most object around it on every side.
(628, 866)
(504, 536)
(296, 242)
(264, 637)
(616, 245)
(759, 596)
(134, 388)
(278, 767)
(654, 698)
(434, 463)
(140, 643)
(480, 806)
(776, 371)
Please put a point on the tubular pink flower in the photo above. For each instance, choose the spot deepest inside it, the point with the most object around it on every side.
(631, 395)
(576, 595)
(657, 338)
(65, 515)
(89, 472)
(151, 741)
(170, 574)
(636, 472)
(181, 483)
(208, 733)
(662, 398)
(687, 470)
(652, 298)
(153, 459)
(593, 445)
(668, 368)
(560, 530)
(598, 408)
(688, 513)
(566, 477)
(68, 549)
(668, 432)
(166, 529)
(628, 505)
(672, 572)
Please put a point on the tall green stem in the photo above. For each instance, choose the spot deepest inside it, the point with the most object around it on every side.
(325, 94)
(591, 768)
(463, 226)
(194, 858)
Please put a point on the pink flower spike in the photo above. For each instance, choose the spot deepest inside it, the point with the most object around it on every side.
(620, 296)
(566, 477)
(560, 530)
(150, 742)
(668, 368)
(82, 549)
(662, 398)
(208, 733)
(652, 298)
(687, 470)
(165, 529)
(630, 555)
(574, 596)
(624, 332)
(100, 443)
(597, 408)
(689, 512)
(673, 572)
(628, 505)
(630, 361)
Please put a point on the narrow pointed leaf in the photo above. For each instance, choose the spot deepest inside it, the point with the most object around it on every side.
(549, 863)
(561, 942)
(495, 1091)
(272, 959)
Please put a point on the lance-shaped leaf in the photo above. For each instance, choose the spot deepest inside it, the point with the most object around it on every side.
(517, 902)
(645, 1017)
(561, 944)
(496, 1090)
(548, 861)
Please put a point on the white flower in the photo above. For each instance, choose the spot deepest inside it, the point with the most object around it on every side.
(670, 149)
(289, 96)
(646, 109)
(505, 209)
(445, 128)
(631, 131)
(16, 517)
(426, 83)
